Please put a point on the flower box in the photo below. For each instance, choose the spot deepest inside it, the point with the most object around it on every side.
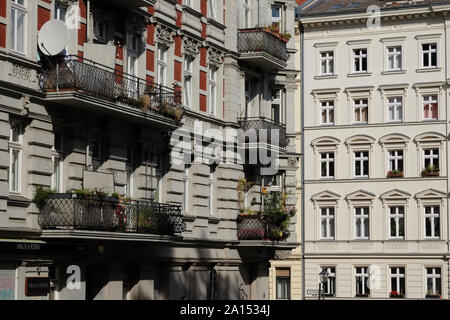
(430, 174)
(395, 174)
(396, 294)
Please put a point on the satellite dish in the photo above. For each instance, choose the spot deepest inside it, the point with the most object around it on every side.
(53, 37)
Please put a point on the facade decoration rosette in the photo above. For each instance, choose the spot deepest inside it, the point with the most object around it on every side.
(191, 47)
(20, 72)
(165, 36)
(215, 58)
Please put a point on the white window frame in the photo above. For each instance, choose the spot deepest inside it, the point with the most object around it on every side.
(361, 158)
(22, 9)
(365, 275)
(129, 172)
(397, 58)
(277, 20)
(329, 289)
(188, 75)
(328, 108)
(397, 275)
(435, 276)
(60, 8)
(330, 228)
(162, 65)
(277, 100)
(429, 99)
(395, 103)
(431, 157)
(329, 62)
(57, 159)
(213, 90)
(212, 9)
(329, 161)
(432, 216)
(359, 105)
(132, 52)
(211, 184)
(429, 52)
(359, 56)
(393, 156)
(364, 218)
(103, 23)
(185, 204)
(15, 146)
(247, 13)
(397, 215)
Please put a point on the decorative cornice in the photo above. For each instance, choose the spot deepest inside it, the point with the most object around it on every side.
(215, 58)
(165, 35)
(191, 47)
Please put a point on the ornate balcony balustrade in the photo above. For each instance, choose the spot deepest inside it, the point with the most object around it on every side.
(70, 212)
(86, 76)
(259, 227)
(259, 123)
(262, 47)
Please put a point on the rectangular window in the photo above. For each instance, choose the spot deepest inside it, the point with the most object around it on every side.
(132, 51)
(212, 91)
(129, 169)
(395, 109)
(362, 164)
(431, 158)
(396, 160)
(362, 223)
(159, 160)
(327, 165)
(397, 275)
(430, 107)
(18, 25)
(327, 63)
(100, 29)
(429, 55)
(57, 159)
(434, 289)
(329, 287)
(276, 17)
(60, 12)
(283, 283)
(186, 190)
(212, 9)
(188, 3)
(432, 222)
(361, 111)
(276, 106)
(248, 97)
(327, 112)
(162, 66)
(397, 222)
(362, 281)
(247, 13)
(360, 60)
(394, 59)
(327, 223)
(15, 157)
(211, 192)
(188, 82)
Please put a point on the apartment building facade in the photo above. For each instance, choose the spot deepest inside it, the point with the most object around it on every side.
(128, 218)
(375, 128)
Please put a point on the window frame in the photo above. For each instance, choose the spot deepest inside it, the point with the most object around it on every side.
(363, 217)
(23, 9)
(397, 216)
(432, 215)
(327, 60)
(16, 146)
(360, 58)
(212, 90)
(434, 283)
(330, 222)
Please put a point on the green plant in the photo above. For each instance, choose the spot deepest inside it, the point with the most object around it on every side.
(277, 214)
(430, 170)
(41, 196)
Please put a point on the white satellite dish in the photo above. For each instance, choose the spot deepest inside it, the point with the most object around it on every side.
(53, 37)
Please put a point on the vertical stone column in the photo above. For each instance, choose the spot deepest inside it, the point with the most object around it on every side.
(260, 286)
(177, 283)
(4, 167)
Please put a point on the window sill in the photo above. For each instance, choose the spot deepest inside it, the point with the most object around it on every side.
(388, 72)
(326, 76)
(433, 296)
(359, 74)
(434, 69)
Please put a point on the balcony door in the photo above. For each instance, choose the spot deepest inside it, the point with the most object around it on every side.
(132, 64)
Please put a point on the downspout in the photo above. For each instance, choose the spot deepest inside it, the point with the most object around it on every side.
(302, 152)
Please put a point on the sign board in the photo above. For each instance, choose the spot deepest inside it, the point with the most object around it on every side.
(312, 292)
(37, 287)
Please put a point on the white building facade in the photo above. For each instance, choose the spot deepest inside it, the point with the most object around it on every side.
(375, 91)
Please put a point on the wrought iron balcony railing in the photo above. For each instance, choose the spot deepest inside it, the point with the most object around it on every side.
(259, 227)
(261, 40)
(87, 76)
(69, 212)
(258, 123)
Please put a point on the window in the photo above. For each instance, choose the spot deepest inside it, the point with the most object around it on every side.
(212, 9)
(132, 51)
(95, 155)
(395, 109)
(394, 59)
(362, 223)
(100, 29)
(360, 60)
(432, 222)
(18, 25)
(158, 159)
(397, 282)
(248, 98)
(329, 287)
(327, 223)
(60, 12)
(186, 190)
(327, 112)
(397, 222)
(362, 281)
(362, 164)
(15, 157)
(276, 17)
(188, 82)
(433, 282)
(129, 170)
(283, 283)
(361, 111)
(162, 65)
(431, 158)
(188, 3)
(276, 106)
(57, 177)
(429, 55)
(396, 160)
(327, 165)
(212, 90)
(327, 63)
(247, 12)
(430, 107)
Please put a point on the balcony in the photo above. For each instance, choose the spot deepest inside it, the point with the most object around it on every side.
(260, 227)
(258, 124)
(262, 48)
(70, 212)
(130, 4)
(84, 83)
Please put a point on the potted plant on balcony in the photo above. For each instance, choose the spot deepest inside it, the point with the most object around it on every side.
(41, 197)
(430, 171)
(285, 37)
(395, 294)
(395, 174)
(277, 215)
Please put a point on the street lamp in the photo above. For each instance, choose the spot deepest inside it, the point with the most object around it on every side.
(323, 279)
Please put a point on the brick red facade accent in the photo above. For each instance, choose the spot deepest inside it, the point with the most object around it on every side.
(177, 71)
(150, 63)
(202, 102)
(2, 35)
(82, 34)
(3, 8)
(203, 76)
(43, 17)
